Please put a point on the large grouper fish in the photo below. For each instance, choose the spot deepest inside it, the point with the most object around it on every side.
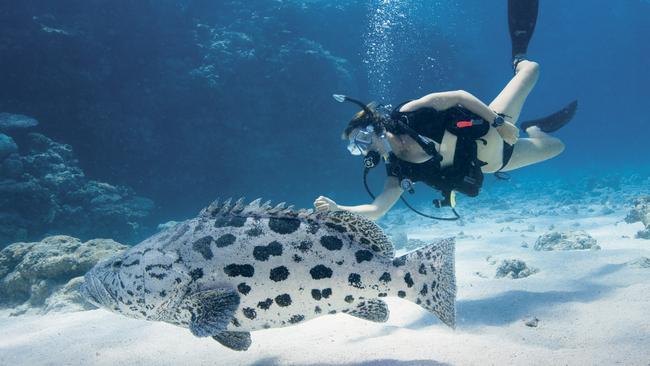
(237, 268)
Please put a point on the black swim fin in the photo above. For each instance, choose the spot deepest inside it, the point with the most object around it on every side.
(554, 121)
(522, 17)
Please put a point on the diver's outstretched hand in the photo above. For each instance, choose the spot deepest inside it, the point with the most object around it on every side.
(325, 204)
(509, 133)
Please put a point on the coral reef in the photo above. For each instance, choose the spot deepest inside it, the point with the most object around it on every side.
(7, 146)
(514, 268)
(640, 213)
(574, 240)
(46, 275)
(10, 121)
(45, 191)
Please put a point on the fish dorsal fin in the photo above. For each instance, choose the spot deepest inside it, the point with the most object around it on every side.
(210, 310)
(237, 341)
(374, 310)
(365, 232)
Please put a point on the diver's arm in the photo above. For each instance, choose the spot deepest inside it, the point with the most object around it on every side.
(438, 101)
(445, 100)
(382, 203)
(508, 131)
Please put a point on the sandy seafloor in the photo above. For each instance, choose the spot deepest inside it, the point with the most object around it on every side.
(593, 309)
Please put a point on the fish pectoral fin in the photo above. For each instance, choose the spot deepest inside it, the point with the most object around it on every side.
(211, 310)
(237, 341)
(374, 310)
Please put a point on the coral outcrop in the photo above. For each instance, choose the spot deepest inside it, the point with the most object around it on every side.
(574, 240)
(46, 275)
(514, 268)
(640, 213)
(44, 191)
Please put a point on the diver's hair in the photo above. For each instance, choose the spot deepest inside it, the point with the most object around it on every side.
(362, 120)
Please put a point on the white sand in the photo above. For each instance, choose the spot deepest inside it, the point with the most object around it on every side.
(592, 310)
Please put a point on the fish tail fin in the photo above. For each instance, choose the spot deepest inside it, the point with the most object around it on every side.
(429, 279)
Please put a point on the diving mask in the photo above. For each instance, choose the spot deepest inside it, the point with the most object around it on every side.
(361, 141)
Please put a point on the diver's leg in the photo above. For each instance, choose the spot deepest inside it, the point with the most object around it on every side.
(512, 97)
(539, 147)
(522, 17)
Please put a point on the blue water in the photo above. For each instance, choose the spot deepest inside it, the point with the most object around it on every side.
(187, 101)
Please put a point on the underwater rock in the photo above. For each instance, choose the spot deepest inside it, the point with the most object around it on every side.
(7, 146)
(10, 121)
(45, 191)
(532, 322)
(514, 268)
(46, 274)
(641, 262)
(640, 213)
(574, 240)
(643, 234)
(167, 225)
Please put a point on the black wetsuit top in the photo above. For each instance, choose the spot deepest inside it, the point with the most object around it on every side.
(464, 175)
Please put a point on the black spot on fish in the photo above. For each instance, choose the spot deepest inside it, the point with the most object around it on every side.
(375, 248)
(244, 270)
(327, 293)
(422, 270)
(331, 242)
(297, 258)
(408, 280)
(202, 246)
(428, 302)
(340, 263)
(385, 278)
(159, 276)
(117, 264)
(243, 288)
(398, 262)
(320, 271)
(365, 241)
(196, 273)
(262, 253)
(255, 231)
(305, 245)
(354, 280)
(418, 301)
(163, 293)
(382, 294)
(316, 294)
(332, 312)
(266, 326)
(279, 274)
(317, 310)
(336, 227)
(166, 267)
(283, 300)
(225, 240)
(401, 294)
(250, 313)
(349, 299)
(177, 279)
(134, 263)
(265, 305)
(235, 322)
(363, 255)
(283, 225)
(296, 319)
(424, 290)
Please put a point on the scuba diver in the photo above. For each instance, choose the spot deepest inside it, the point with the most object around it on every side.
(447, 140)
